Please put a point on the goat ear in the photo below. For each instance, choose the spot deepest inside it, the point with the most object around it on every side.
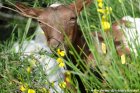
(79, 5)
(28, 11)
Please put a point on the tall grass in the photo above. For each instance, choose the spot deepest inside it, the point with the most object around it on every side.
(116, 77)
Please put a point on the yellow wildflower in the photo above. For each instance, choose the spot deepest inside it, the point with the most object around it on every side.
(61, 53)
(103, 48)
(62, 84)
(105, 25)
(106, 11)
(104, 17)
(22, 88)
(61, 62)
(100, 5)
(99, 1)
(31, 91)
(123, 59)
(101, 11)
(28, 69)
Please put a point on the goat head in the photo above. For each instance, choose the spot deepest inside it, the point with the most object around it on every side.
(58, 22)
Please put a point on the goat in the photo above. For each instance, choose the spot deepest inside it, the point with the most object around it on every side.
(59, 22)
(56, 21)
(131, 32)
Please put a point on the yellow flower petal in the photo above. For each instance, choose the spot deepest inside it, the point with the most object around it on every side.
(58, 51)
(101, 11)
(99, 1)
(100, 5)
(105, 25)
(106, 11)
(62, 84)
(61, 53)
(31, 91)
(103, 48)
(61, 64)
(22, 88)
(59, 60)
(123, 59)
(104, 18)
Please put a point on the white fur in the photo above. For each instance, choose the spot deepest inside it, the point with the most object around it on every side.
(55, 5)
(49, 64)
(132, 33)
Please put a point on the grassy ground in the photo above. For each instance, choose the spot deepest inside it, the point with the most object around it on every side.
(118, 77)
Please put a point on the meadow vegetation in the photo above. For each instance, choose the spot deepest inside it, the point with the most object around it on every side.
(119, 74)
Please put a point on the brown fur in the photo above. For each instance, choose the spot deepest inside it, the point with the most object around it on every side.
(60, 22)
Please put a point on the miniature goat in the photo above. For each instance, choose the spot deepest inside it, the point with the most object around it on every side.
(59, 23)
